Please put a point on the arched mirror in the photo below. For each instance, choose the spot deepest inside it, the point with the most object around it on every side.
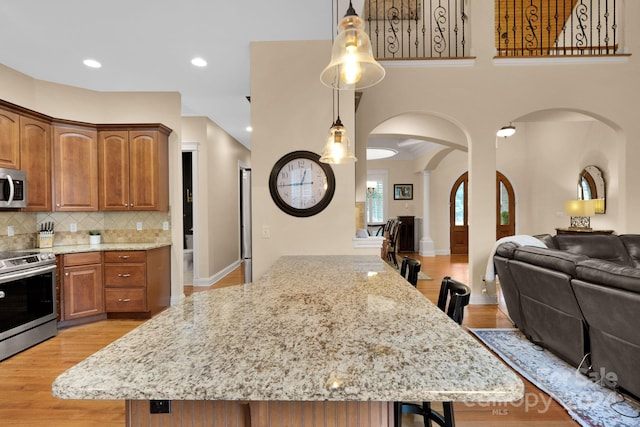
(591, 187)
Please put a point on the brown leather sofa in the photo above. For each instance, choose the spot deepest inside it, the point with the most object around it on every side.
(580, 299)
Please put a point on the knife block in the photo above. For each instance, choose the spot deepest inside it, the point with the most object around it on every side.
(44, 240)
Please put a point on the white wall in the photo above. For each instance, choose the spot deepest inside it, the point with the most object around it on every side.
(291, 110)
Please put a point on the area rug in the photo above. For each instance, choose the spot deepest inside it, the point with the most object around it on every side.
(589, 403)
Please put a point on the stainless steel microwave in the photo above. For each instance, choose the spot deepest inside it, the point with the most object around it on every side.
(13, 188)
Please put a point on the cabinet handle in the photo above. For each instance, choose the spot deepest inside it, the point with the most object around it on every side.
(124, 299)
(124, 275)
(123, 256)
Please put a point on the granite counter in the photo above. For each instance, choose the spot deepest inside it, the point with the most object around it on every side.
(313, 328)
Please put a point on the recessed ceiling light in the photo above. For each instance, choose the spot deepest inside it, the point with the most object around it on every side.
(92, 63)
(380, 153)
(248, 128)
(198, 62)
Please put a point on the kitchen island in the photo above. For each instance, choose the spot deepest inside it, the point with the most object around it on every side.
(331, 338)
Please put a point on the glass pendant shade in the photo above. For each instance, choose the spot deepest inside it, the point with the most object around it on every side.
(352, 64)
(338, 147)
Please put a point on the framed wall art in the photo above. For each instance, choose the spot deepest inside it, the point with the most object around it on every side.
(402, 191)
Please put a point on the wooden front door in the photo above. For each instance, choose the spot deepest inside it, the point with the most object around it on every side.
(458, 212)
(458, 219)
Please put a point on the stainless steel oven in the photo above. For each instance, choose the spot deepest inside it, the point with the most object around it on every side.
(27, 300)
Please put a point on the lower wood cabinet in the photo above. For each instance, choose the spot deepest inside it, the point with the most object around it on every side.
(83, 293)
(92, 286)
(137, 283)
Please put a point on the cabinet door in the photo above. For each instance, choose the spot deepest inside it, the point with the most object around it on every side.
(75, 168)
(83, 291)
(9, 142)
(35, 159)
(143, 170)
(113, 160)
(149, 169)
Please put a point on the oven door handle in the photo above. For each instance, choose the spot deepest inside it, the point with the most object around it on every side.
(4, 278)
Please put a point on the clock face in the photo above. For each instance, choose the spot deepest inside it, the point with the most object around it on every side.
(300, 185)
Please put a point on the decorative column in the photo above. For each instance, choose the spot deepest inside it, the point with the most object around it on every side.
(427, 248)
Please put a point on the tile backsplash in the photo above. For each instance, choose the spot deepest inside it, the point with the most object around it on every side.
(116, 227)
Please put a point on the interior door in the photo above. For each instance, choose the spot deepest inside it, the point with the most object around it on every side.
(505, 207)
(458, 219)
(458, 212)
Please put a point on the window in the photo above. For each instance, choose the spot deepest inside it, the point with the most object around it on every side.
(376, 204)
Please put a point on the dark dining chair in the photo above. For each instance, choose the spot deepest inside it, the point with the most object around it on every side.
(409, 269)
(394, 232)
(454, 297)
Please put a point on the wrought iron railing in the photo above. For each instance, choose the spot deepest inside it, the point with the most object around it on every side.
(436, 29)
(556, 27)
(417, 29)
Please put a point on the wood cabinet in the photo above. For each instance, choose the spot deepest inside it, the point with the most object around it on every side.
(9, 139)
(83, 292)
(137, 283)
(35, 159)
(75, 168)
(134, 166)
(406, 241)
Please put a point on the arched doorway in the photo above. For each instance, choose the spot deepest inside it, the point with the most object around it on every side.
(458, 212)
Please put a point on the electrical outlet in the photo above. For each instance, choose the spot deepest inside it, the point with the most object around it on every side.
(266, 232)
(160, 406)
(10, 231)
(139, 225)
(165, 225)
(73, 227)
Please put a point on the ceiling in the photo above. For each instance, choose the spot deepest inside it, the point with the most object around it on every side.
(147, 45)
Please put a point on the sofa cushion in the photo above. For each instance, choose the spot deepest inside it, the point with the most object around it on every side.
(606, 247)
(632, 243)
(553, 259)
(609, 274)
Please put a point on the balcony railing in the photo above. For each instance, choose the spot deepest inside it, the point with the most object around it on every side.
(556, 27)
(417, 29)
(439, 29)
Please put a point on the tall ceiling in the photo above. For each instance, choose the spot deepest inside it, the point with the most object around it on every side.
(147, 45)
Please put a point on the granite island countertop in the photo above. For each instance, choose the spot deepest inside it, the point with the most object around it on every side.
(338, 328)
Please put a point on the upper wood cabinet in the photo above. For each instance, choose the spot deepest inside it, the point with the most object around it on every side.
(35, 155)
(133, 164)
(9, 139)
(75, 168)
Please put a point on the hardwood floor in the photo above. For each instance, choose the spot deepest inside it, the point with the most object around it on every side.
(25, 379)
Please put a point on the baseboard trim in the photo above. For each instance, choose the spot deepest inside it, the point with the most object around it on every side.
(208, 281)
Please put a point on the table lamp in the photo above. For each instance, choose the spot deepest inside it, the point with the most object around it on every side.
(580, 212)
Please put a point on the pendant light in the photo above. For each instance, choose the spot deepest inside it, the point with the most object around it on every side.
(352, 64)
(338, 147)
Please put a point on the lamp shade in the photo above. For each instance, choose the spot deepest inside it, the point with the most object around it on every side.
(580, 207)
(352, 64)
(338, 148)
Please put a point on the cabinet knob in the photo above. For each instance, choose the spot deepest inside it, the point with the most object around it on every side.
(66, 274)
(124, 275)
(58, 205)
(124, 299)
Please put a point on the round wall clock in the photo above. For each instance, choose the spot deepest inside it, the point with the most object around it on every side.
(300, 184)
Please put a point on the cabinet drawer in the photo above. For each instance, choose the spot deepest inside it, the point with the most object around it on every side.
(125, 256)
(83, 258)
(124, 275)
(125, 300)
